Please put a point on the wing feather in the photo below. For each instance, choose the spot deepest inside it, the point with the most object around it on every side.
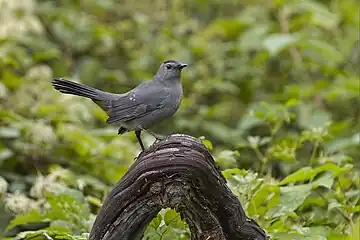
(137, 103)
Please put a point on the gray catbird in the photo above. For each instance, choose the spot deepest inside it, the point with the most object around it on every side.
(136, 110)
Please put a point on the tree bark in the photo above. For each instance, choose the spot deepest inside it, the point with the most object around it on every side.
(177, 172)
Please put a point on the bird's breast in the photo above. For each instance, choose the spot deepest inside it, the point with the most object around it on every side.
(175, 96)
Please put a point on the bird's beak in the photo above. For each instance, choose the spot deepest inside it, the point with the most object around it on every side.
(182, 65)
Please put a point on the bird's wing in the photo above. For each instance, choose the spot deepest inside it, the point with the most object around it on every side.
(139, 102)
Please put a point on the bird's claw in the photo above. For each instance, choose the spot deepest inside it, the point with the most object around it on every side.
(157, 136)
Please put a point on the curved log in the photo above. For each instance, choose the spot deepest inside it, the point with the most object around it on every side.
(180, 173)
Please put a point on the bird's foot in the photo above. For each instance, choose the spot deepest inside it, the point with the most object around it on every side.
(158, 137)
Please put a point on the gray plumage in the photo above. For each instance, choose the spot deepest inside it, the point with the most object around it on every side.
(140, 108)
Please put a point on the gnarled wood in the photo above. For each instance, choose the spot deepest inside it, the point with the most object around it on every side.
(180, 173)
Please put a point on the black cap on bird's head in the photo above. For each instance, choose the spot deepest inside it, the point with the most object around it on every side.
(170, 70)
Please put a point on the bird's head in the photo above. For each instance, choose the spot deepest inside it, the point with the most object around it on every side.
(170, 71)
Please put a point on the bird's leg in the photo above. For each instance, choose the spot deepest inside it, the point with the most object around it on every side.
(158, 137)
(138, 133)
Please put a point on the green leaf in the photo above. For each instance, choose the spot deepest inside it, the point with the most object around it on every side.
(27, 217)
(233, 171)
(333, 204)
(252, 38)
(151, 234)
(340, 144)
(308, 173)
(321, 15)
(290, 199)
(70, 208)
(11, 80)
(207, 143)
(292, 102)
(227, 158)
(155, 223)
(318, 119)
(321, 51)
(94, 201)
(173, 219)
(351, 209)
(355, 230)
(277, 42)
(338, 236)
(247, 122)
(326, 180)
(47, 235)
(264, 199)
(225, 28)
(285, 150)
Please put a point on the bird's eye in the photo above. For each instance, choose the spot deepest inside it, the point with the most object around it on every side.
(168, 66)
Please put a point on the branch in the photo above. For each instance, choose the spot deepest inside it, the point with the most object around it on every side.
(180, 173)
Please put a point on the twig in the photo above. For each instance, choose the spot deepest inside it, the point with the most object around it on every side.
(262, 159)
(284, 27)
(47, 236)
(315, 149)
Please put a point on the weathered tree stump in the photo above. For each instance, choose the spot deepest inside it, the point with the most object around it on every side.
(180, 173)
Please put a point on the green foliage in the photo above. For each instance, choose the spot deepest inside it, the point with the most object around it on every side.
(271, 87)
(307, 208)
(66, 211)
(167, 225)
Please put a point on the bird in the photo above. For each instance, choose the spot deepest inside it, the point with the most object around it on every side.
(140, 108)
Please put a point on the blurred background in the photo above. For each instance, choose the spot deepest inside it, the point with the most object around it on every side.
(272, 89)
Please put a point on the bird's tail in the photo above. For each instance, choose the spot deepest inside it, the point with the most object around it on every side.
(68, 87)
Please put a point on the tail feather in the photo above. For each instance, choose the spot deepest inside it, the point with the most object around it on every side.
(68, 87)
